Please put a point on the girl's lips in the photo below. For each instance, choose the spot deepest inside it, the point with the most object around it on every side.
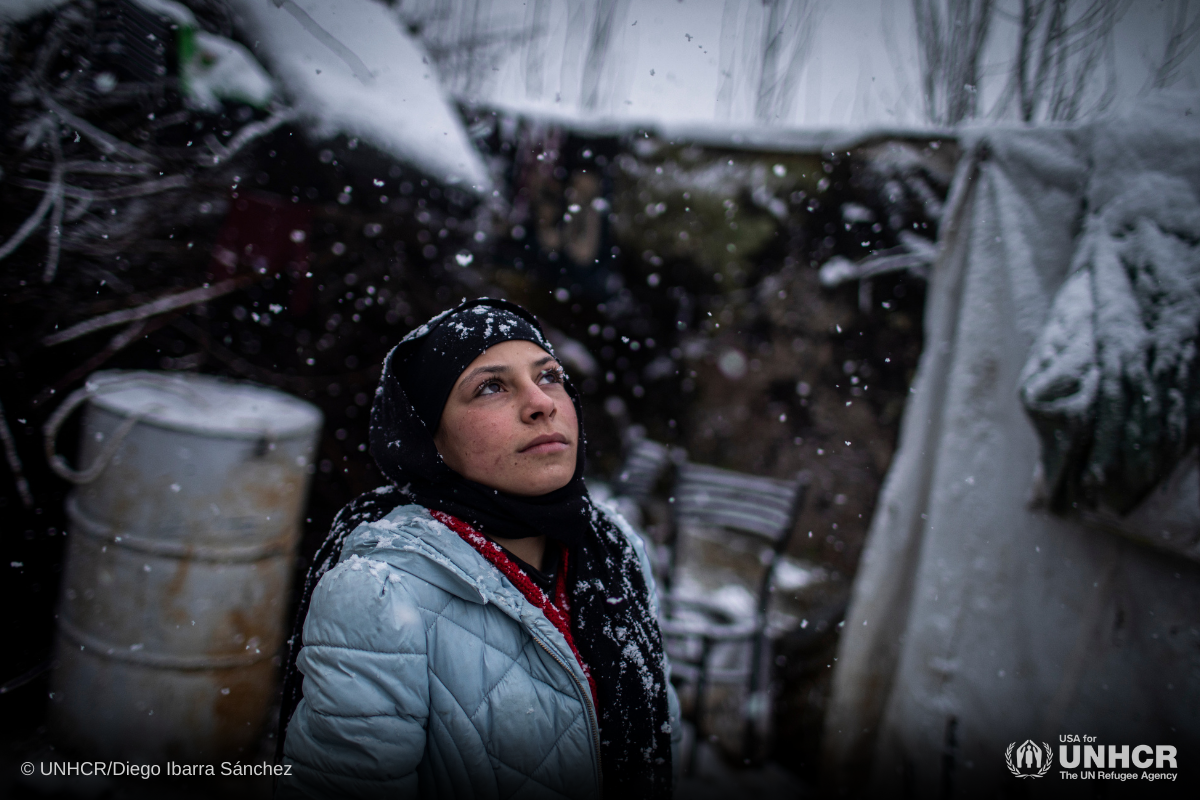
(545, 448)
(549, 443)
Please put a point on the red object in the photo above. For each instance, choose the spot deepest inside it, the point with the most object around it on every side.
(266, 235)
(558, 610)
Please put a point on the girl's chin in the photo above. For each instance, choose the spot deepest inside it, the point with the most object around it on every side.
(543, 483)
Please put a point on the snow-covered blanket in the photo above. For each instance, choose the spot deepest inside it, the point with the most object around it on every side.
(1113, 381)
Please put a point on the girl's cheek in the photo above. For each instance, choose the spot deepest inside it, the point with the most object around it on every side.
(493, 441)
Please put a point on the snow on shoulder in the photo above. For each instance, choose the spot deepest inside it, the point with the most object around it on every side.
(316, 50)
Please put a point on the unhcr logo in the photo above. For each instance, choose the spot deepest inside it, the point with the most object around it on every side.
(1031, 761)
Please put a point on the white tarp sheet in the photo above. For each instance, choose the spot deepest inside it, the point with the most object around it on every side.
(979, 619)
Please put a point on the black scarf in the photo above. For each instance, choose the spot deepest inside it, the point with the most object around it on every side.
(417, 377)
(612, 624)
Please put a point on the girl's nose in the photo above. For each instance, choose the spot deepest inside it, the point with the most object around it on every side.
(536, 403)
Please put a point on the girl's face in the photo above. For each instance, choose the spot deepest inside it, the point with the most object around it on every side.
(509, 423)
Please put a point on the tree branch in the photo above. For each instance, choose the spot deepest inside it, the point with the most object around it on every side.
(154, 308)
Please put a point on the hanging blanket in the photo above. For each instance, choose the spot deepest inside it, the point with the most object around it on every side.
(1112, 383)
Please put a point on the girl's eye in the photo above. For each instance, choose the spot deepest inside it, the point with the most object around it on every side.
(491, 387)
(551, 376)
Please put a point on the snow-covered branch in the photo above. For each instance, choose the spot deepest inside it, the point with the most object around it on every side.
(34, 219)
(243, 137)
(118, 193)
(108, 144)
(14, 461)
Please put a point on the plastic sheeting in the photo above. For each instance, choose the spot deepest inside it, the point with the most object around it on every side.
(979, 618)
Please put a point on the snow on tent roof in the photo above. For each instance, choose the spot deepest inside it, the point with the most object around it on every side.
(724, 134)
(398, 108)
(828, 75)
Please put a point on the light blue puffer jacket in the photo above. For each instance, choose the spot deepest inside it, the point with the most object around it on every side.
(428, 674)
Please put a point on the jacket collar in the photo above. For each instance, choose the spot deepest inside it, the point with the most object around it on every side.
(411, 540)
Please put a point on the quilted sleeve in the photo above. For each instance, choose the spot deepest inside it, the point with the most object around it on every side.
(360, 729)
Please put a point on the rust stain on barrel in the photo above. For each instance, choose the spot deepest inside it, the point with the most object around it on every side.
(175, 612)
(198, 535)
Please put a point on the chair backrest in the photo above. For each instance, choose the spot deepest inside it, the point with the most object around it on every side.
(710, 496)
(645, 464)
(762, 508)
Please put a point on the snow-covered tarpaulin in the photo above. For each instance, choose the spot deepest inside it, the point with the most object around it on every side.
(350, 68)
(766, 70)
(979, 617)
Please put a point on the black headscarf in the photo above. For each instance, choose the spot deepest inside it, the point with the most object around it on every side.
(611, 620)
(430, 359)
(417, 377)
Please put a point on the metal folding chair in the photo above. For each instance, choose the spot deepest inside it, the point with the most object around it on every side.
(644, 465)
(763, 510)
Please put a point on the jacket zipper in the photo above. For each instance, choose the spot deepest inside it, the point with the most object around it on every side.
(587, 704)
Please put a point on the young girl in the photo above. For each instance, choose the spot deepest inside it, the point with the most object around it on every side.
(480, 628)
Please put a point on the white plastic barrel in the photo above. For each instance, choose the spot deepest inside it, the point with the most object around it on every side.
(181, 544)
